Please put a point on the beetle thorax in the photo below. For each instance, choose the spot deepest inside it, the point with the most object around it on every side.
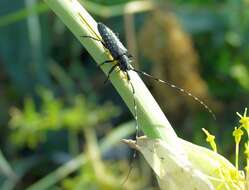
(124, 63)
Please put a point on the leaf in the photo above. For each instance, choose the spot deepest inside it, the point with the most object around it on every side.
(171, 167)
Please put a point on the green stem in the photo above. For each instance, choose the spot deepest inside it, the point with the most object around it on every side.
(237, 156)
(150, 117)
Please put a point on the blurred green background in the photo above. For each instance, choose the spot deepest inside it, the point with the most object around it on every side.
(61, 126)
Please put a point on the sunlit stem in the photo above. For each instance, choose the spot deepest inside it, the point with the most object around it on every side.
(237, 156)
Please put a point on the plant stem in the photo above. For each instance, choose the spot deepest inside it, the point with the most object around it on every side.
(150, 117)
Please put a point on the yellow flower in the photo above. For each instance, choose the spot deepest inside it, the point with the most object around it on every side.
(210, 139)
(244, 120)
(237, 133)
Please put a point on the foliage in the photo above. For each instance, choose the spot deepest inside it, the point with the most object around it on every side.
(37, 50)
(30, 125)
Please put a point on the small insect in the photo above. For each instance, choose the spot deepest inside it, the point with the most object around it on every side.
(122, 58)
(120, 55)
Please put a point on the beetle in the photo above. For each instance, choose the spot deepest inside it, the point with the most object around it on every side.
(123, 59)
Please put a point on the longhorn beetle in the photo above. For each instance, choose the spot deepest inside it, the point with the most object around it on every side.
(122, 58)
(120, 55)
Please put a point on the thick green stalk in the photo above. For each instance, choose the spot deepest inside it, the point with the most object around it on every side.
(150, 117)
